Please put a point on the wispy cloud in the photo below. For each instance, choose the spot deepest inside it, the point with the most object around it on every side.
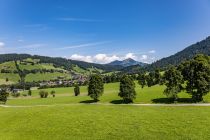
(20, 40)
(78, 19)
(2, 44)
(83, 45)
(152, 51)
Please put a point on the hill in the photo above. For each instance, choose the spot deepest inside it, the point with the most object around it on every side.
(35, 71)
(126, 63)
(202, 47)
(64, 63)
(43, 68)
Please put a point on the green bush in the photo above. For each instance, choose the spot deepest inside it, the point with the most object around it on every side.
(15, 94)
(76, 90)
(52, 93)
(43, 94)
(29, 92)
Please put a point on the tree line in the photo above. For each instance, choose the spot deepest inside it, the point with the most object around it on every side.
(192, 76)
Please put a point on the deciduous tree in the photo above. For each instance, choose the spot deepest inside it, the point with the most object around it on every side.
(127, 89)
(95, 87)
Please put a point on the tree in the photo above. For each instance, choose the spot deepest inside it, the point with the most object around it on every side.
(142, 80)
(95, 87)
(173, 81)
(52, 93)
(198, 77)
(22, 75)
(3, 96)
(76, 90)
(29, 92)
(150, 78)
(127, 89)
(157, 77)
(7, 79)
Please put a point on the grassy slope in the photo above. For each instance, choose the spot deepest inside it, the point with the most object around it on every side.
(14, 78)
(46, 76)
(104, 122)
(87, 71)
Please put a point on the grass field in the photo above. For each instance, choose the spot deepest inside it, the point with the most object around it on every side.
(67, 117)
(95, 122)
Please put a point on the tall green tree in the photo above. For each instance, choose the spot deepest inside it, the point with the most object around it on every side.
(198, 77)
(95, 87)
(3, 95)
(142, 80)
(150, 78)
(127, 89)
(173, 81)
(157, 77)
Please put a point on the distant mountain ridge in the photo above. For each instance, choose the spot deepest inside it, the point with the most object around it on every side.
(126, 63)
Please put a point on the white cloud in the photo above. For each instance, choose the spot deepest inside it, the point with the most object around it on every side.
(2, 44)
(130, 55)
(105, 58)
(81, 58)
(152, 51)
(144, 57)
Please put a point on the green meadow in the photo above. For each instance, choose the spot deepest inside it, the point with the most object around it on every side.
(68, 117)
(103, 122)
(66, 96)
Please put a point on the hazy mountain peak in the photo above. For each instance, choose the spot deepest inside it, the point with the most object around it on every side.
(126, 62)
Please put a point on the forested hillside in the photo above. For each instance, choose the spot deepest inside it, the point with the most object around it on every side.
(202, 47)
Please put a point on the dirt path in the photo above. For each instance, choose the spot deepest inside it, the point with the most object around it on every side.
(166, 105)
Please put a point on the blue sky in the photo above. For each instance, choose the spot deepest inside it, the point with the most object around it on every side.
(102, 30)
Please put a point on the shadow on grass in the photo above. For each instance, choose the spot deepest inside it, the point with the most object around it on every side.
(88, 101)
(117, 102)
(171, 101)
(120, 102)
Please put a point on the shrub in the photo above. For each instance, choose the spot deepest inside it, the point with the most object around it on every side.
(24, 94)
(76, 90)
(29, 92)
(52, 93)
(15, 94)
(43, 94)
